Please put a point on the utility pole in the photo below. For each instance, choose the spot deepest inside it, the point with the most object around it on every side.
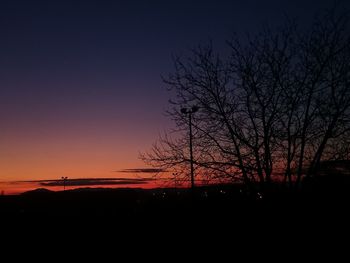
(64, 178)
(190, 112)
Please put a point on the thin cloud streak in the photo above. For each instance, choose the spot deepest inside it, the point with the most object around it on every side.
(89, 181)
(142, 170)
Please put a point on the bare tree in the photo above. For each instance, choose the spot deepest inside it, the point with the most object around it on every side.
(324, 75)
(204, 81)
(278, 105)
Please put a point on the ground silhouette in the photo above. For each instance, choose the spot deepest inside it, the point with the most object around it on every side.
(213, 206)
(222, 218)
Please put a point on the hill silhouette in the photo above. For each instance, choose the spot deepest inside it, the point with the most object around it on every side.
(223, 202)
(37, 191)
(162, 216)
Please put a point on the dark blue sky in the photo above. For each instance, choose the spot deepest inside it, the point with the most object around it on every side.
(87, 74)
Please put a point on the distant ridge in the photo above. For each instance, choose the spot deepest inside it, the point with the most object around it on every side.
(37, 191)
(40, 191)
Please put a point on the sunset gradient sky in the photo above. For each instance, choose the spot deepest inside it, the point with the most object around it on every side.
(81, 93)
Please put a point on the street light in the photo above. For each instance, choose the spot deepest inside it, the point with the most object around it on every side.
(190, 111)
(64, 178)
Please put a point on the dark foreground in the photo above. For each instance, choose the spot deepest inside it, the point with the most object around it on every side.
(226, 204)
(210, 215)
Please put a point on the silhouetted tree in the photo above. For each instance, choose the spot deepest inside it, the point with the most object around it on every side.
(327, 84)
(279, 104)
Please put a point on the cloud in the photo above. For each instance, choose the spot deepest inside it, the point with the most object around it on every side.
(92, 181)
(142, 170)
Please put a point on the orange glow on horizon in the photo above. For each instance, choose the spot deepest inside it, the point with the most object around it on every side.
(14, 188)
(52, 149)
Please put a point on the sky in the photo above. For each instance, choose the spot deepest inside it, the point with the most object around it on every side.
(80, 81)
